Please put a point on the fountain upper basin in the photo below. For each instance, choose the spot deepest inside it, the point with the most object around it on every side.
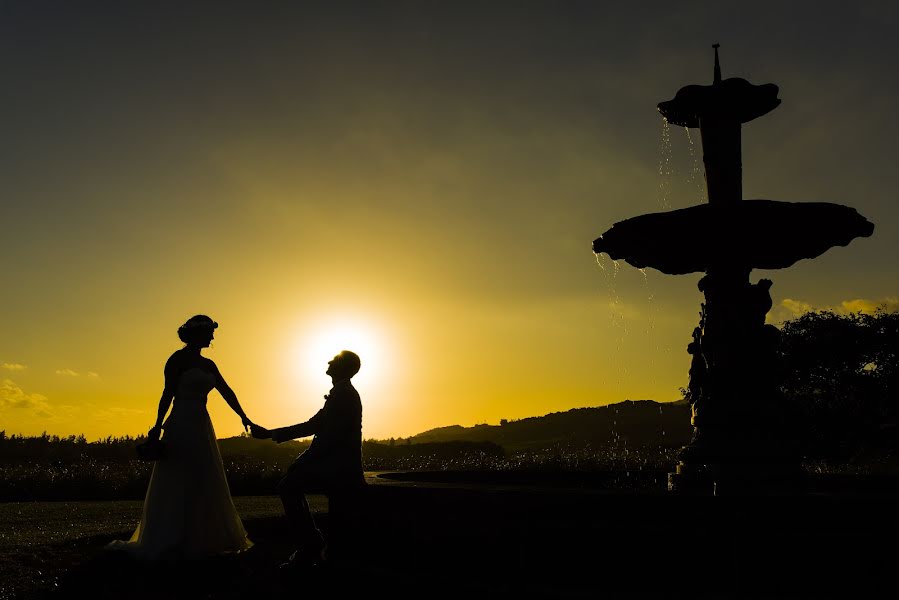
(752, 234)
(733, 99)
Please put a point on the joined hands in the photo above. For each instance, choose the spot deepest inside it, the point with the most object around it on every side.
(259, 432)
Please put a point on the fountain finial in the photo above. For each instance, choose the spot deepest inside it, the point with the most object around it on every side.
(717, 64)
(733, 99)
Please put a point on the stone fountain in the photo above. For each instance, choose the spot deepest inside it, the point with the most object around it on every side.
(741, 432)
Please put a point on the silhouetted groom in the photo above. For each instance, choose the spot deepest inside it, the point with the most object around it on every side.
(333, 461)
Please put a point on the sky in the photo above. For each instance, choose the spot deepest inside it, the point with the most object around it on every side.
(417, 181)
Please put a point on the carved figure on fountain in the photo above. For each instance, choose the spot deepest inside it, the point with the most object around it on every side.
(734, 379)
(698, 368)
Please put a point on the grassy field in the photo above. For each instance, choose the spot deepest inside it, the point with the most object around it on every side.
(523, 539)
(40, 541)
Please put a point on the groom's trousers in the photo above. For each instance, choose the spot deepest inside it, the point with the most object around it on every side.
(299, 481)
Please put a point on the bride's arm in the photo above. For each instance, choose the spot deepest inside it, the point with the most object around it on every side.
(164, 402)
(230, 397)
(168, 394)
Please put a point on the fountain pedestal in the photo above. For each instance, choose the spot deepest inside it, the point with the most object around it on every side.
(741, 433)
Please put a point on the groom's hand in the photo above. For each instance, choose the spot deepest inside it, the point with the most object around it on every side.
(260, 432)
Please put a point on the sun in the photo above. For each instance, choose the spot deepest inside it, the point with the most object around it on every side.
(321, 341)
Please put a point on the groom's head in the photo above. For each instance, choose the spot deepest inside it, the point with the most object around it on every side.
(344, 365)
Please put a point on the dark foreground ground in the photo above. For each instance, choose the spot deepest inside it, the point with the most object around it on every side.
(482, 536)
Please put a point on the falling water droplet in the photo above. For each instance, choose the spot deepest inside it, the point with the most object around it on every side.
(650, 319)
(613, 308)
(695, 178)
(665, 166)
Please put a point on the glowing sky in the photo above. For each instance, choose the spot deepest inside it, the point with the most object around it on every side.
(426, 175)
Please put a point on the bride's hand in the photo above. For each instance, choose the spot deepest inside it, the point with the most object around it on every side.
(154, 432)
(247, 423)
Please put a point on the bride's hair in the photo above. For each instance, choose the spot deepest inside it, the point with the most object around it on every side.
(195, 328)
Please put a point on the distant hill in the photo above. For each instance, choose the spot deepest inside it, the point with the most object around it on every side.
(635, 422)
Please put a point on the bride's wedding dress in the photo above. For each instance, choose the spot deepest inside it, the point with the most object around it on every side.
(188, 511)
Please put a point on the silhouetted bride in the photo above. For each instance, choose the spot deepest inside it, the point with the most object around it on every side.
(188, 511)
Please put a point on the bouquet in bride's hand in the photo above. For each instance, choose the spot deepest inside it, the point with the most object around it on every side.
(154, 448)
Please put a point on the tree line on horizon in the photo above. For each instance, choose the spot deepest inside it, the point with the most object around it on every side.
(840, 384)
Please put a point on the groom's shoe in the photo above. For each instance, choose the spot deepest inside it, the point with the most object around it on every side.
(306, 559)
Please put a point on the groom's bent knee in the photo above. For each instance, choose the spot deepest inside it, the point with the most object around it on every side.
(290, 486)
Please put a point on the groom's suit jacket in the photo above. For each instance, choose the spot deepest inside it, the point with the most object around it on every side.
(336, 449)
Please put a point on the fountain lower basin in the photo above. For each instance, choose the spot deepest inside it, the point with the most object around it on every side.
(752, 234)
